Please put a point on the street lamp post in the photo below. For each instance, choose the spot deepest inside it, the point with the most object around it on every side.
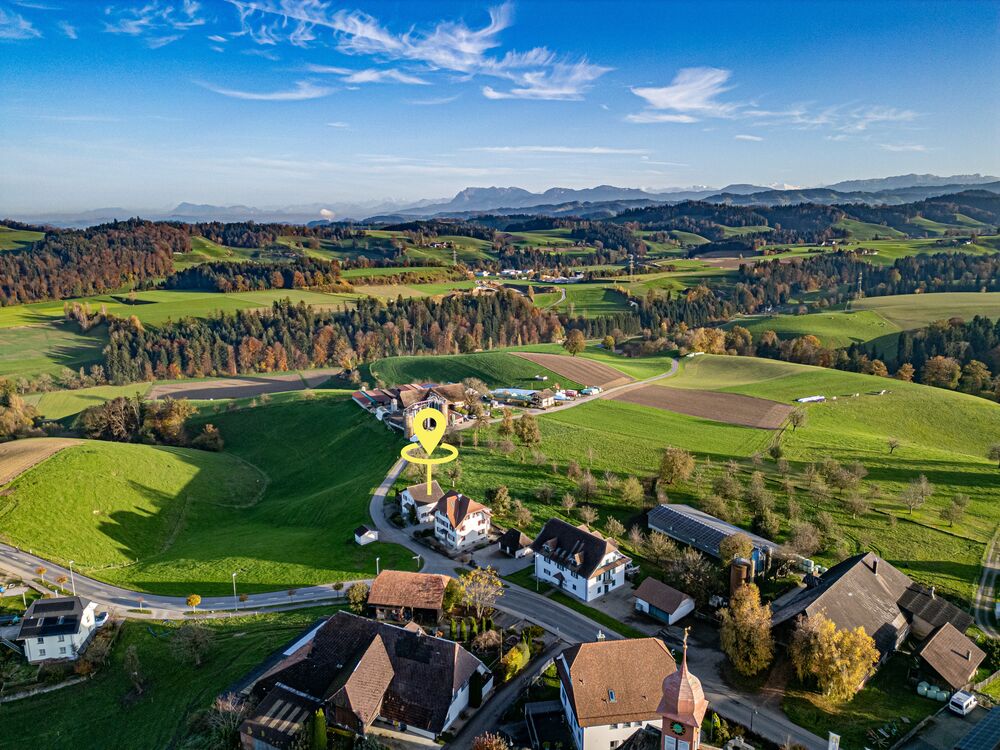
(72, 578)
(236, 601)
(377, 559)
(417, 558)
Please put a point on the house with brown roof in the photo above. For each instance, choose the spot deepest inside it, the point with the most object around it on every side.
(952, 655)
(578, 560)
(610, 689)
(396, 406)
(418, 501)
(460, 522)
(362, 672)
(662, 602)
(400, 596)
(866, 591)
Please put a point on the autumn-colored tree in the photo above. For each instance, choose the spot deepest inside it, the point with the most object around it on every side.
(527, 430)
(676, 465)
(805, 538)
(976, 377)
(454, 595)
(357, 597)
(568, 503)
(632, 493)
(892, 444)
(735, 546)
(943, 372)
(660, 548)
(506, 426)
(40, 571)
(575, 342)
(609, 343)
(745, 631)
(193, 601)
(490, 741)
(482, 588)
(905, 372)
(587, 514)
(614, 527)
(839, 660)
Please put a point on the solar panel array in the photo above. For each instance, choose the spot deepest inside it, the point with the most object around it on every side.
(985, 735)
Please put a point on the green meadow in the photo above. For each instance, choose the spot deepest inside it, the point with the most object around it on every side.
(496, 369)
(278, 505)
(27, 351)
(15, 239)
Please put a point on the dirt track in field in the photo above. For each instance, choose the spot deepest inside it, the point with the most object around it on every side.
(730, 408)
(17, 456)
(583, 371)
(244, 386)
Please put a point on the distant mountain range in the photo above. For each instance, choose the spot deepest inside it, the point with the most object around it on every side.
(597, 202)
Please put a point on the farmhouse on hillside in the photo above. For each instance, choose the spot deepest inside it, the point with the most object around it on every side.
(400, 596)
(57, 629)
(705, 533)
(418, 502)
(609, 690)
(662, 602)
(460, 522)
(361, 672)
(579, 561)
(397, 406)
(866, 591)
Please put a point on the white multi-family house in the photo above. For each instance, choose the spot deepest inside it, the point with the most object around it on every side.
(579, 561)
(54, 629)
(418, 501)
(609, 690)
(460, 522)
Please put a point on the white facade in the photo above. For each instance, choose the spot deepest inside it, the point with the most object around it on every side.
(424, 512)
(369, 536)
(68, 646)
(601, 737)
(586, 589)
(473, 529)
(685, 608)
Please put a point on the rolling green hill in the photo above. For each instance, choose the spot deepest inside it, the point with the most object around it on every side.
(279, 505)
(496, 369)
(14, 239)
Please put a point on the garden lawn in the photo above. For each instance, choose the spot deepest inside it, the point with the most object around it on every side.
(93, 714)
(191, 518)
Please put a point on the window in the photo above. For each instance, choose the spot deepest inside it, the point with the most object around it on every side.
(62, 639)
(613, 726)
(615, 743)
(40, 640)
(41, 652)
(62, 649)
(613, 699)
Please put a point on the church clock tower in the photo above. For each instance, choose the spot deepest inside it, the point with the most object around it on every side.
(683, 708)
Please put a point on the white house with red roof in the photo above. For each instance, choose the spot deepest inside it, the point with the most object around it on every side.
(460, 522)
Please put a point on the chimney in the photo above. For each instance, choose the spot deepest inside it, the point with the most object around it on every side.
(968, 654)
(875, 565)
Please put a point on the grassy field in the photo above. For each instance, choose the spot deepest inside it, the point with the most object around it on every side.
(916, 310)
(494, 368)
(191, 517)
(835, 328)
(63, 404)
(27, 351)
(862, 230)
(950, 450)
(95, 714)
(14, 239)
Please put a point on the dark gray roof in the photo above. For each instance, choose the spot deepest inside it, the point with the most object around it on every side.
(416, 683)
(923, 603)
(514, 539)
(647, 738)
(985, 735)
(47, 617)
(577, 547)
(698, 529)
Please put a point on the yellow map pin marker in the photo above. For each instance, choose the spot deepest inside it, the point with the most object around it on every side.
(429, 438)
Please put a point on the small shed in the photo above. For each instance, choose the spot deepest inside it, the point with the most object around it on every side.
(515, 543)
(661, 602)
(364, 535)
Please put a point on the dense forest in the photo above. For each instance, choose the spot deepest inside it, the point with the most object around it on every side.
(76, 263)
(296, 336)
(248, 275)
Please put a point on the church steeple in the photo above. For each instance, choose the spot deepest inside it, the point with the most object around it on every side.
(682, 707)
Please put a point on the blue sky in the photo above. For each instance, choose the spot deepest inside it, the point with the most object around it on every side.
(284, 102)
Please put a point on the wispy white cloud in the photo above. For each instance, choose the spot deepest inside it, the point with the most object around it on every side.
(78, 118)
(653, 117)
(153, 17)
(68, 29)
(303, 90)
(596, 150)
(218, 39)
(35, 6)
(747, 137)
(368, 75)
(340, 125)
(15, 26)
(155, 42)
(433, 101)
(693, 93)
(450, 46)
(266, 54)
(904, 147)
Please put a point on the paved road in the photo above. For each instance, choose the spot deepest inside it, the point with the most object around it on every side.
(984, 604)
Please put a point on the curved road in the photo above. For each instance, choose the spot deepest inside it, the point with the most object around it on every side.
(568, 624)
(985, 602)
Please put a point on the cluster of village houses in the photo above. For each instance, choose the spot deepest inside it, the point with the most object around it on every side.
(394, 668)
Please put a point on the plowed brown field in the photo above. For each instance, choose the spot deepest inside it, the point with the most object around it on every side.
(583, 371)
(731, 408)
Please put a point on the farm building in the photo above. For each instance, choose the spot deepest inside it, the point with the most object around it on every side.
(952, 656)
(420, 501)
(515, 543)
(704, 532)
(400, 596)
(579, 561)
(866, 591)
(397, 406)
(361, 672)
(364, 535)
(525, 397)
(662, 602)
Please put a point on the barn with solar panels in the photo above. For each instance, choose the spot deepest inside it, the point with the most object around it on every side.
(705, 533)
